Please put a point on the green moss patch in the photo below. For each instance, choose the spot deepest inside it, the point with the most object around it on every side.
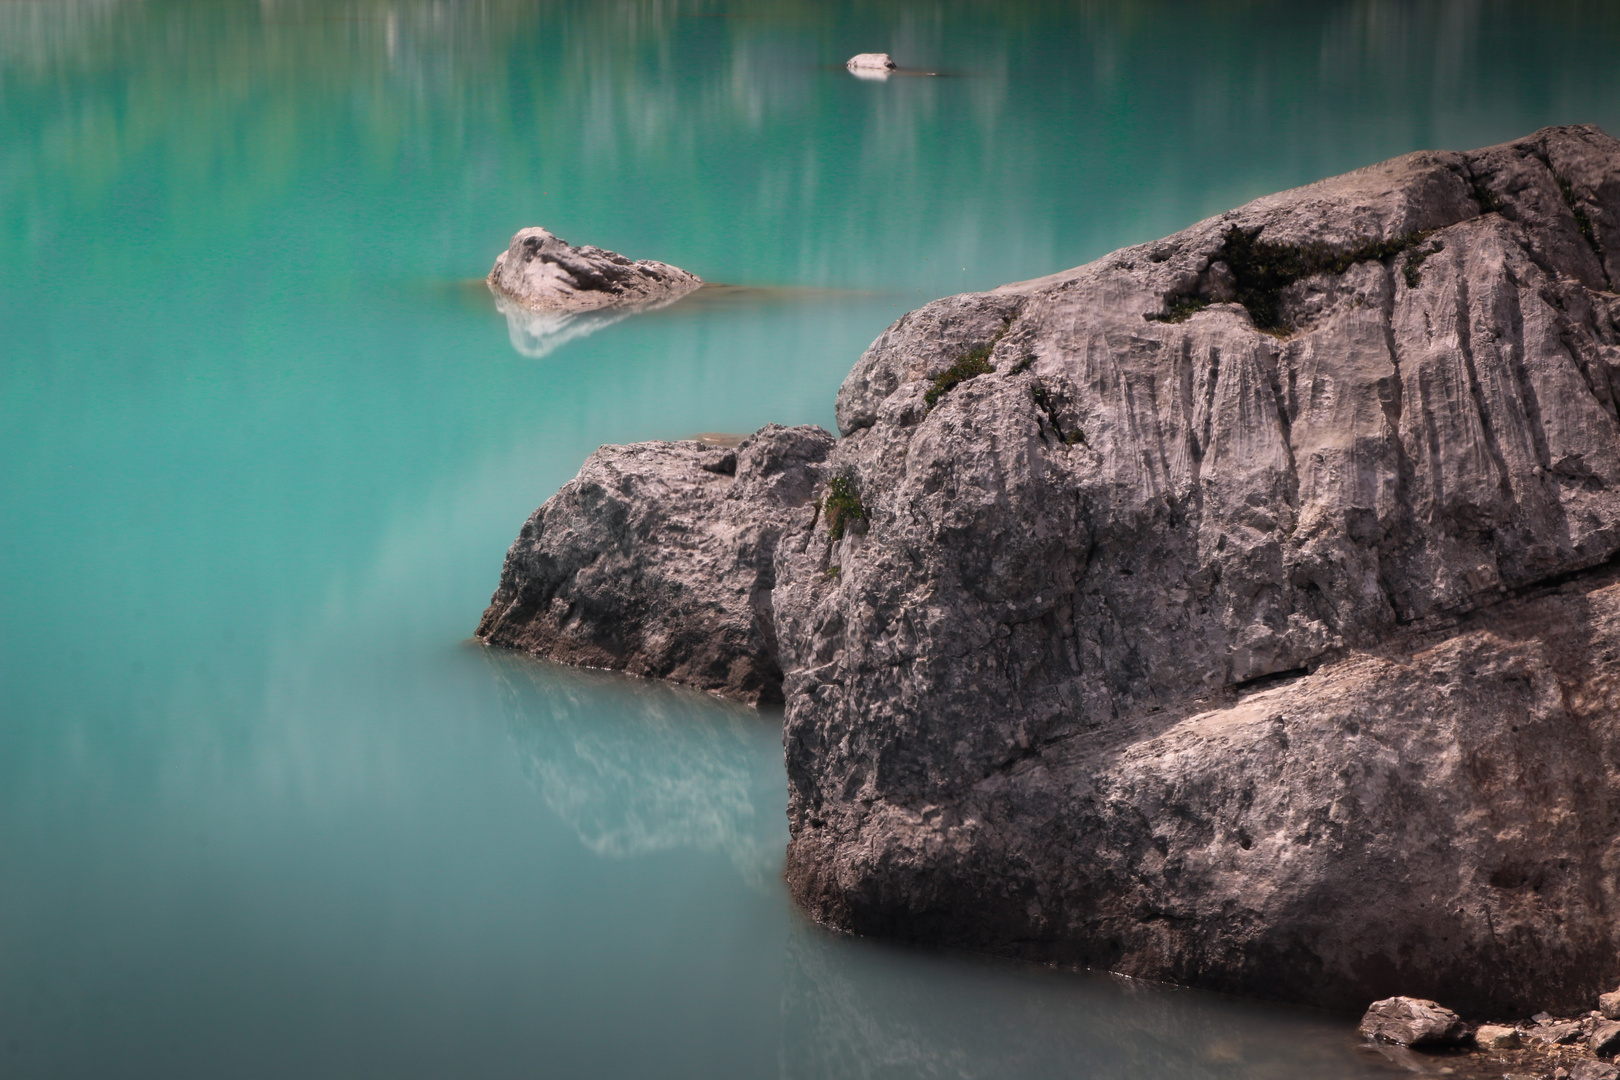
(1263, 270)
(967, 366)
(970, 365)
(1412, 271)
(1181, 309)
(842, 505)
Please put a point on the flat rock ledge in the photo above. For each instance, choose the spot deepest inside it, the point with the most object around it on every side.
(544, 272)
(1237, 610)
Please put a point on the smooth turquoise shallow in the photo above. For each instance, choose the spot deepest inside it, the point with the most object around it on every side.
(264, 811)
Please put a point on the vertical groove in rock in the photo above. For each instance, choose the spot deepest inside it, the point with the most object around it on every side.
(1481, 406)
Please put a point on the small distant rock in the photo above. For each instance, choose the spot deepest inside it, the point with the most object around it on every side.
(544, 272)
(1409, 1021)
(1609, 1005)
(1605, 1038)
(1496, 1037)
(870, 61)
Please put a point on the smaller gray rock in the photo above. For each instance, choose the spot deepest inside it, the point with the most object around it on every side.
(1609, 1005)
(1409, 1021)
(1605, 1038)
(1593, 1070)
(1496, 1037)
(545, 273)
(657, 559)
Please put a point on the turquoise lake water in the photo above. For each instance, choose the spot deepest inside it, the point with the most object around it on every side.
(264, 440)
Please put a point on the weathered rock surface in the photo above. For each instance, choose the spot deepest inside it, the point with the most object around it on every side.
(1232, 610)
(1009, 717)
(543, 272)
(1407, 1021)
(657, 559)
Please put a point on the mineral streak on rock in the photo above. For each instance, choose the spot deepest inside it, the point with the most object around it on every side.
(657, 559)
(1231, 610)
(543, 272)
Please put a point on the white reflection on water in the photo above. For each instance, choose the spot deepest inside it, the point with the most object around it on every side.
(537, 334)
(636, 766)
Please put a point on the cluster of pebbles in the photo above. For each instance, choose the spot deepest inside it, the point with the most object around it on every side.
(1428, 1038)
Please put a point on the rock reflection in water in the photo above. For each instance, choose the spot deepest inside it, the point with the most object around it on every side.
(858, 1008)
(637, 767)
(537, 334)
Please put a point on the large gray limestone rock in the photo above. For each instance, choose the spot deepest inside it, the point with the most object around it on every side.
(1196, 628)
(545, 273)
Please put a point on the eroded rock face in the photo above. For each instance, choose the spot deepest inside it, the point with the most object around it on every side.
(657, 559)
(543, 272)
(1337, 440)
(1007, 724)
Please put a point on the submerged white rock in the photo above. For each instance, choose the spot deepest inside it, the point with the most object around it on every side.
(870, 65)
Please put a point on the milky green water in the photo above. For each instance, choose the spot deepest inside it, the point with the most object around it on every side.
(264, 812)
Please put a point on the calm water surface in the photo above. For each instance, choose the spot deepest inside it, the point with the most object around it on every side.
(264, 812)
